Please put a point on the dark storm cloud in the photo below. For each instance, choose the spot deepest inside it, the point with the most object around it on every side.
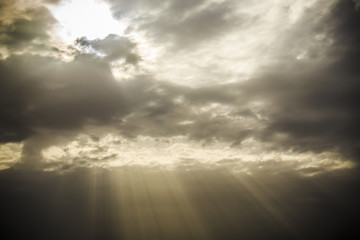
(346, 32)
(179, 23)
(318, 109)
(42, 94)
(56, 94)
(314, 112)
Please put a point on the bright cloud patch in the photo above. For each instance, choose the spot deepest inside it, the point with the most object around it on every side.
(84, 18)
(178, 152)
(10, 154)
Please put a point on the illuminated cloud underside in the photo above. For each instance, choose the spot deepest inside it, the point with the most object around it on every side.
(179, 152)
(175, 153)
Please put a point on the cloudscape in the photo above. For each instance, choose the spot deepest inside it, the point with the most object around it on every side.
(180, 119)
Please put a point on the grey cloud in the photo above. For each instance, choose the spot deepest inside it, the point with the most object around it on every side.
(192, 27)
(53, 1)
(164, 108)
(42, 96)
(113, 47)
(304, 107)
(31, 155)
(20, 32)
(60, 95)
(222, 93)
(308, 38)
(181, 6)
(179, 23)
(310, 110)
(121, 8)
(74, 96)
(346, 33)
(316, 108)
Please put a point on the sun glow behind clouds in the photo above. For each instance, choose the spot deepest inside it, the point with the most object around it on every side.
(89, 18)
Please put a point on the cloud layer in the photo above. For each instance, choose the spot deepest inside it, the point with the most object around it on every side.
(179, 73)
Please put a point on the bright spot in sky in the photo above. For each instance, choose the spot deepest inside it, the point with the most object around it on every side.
(89, 18)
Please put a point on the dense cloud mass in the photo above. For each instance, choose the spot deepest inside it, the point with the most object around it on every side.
(302, 97)
(318, 108)
(180, 119)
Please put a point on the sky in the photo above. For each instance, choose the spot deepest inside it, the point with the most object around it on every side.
(265, 91)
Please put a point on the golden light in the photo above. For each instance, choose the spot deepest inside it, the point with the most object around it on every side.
(89, 18)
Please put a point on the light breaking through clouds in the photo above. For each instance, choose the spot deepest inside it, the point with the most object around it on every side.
(179, 119)
(157, 82)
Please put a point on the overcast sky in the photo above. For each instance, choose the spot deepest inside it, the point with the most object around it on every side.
(180, 119)
(172, 82)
